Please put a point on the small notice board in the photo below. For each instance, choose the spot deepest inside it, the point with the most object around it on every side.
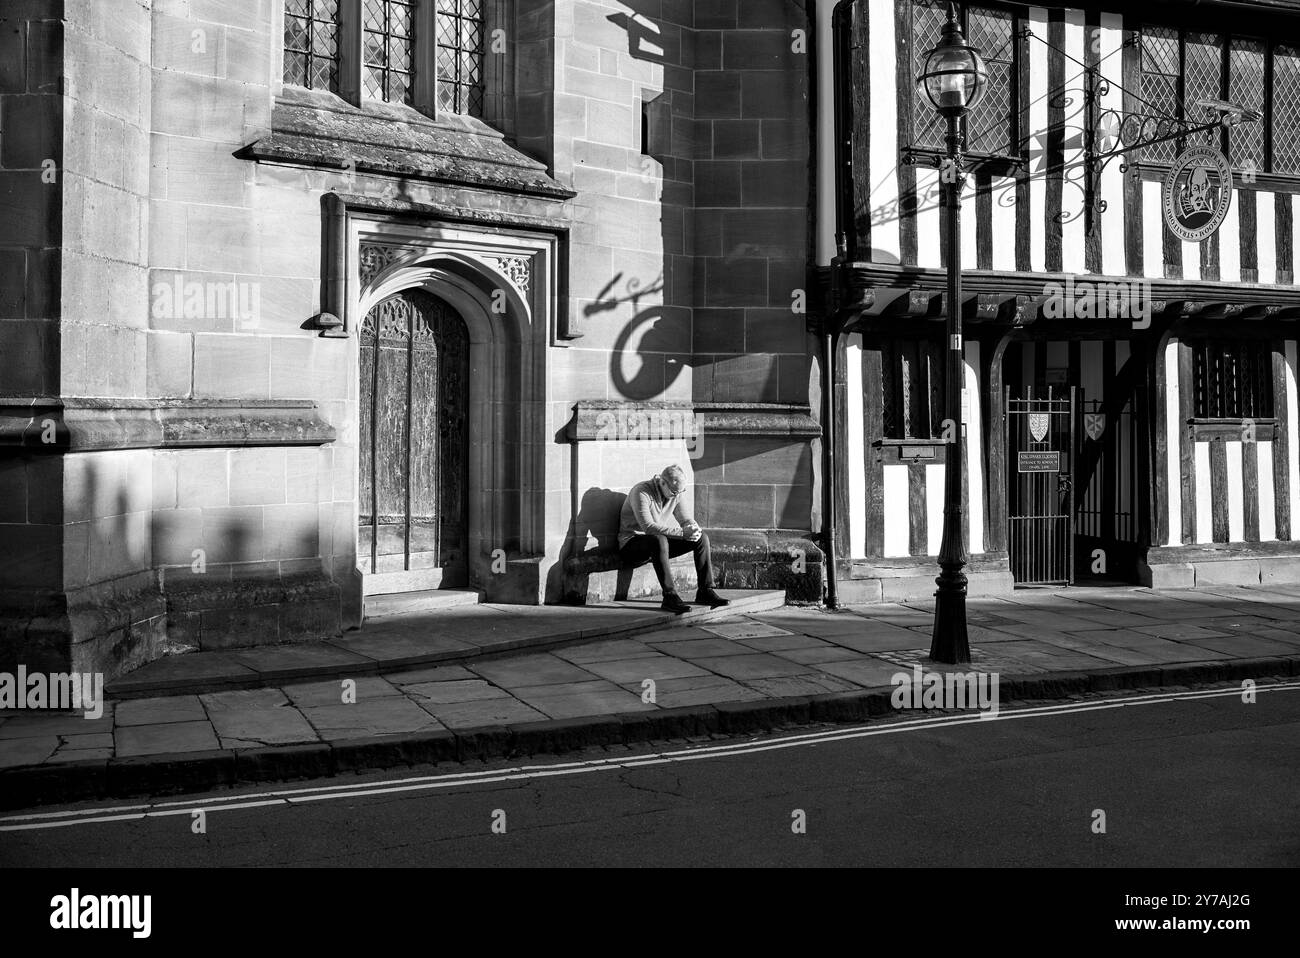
(1039, 461)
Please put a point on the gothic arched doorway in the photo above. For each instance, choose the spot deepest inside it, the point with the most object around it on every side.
(413, 530)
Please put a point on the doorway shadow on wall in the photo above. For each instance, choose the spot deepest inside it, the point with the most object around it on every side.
(597, 518)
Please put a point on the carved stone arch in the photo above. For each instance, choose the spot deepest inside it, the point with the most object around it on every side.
(421, 266)
(376, 261)
(505, 283)
(506, 470)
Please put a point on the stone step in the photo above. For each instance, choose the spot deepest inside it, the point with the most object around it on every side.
(428, 600)
(913, 585)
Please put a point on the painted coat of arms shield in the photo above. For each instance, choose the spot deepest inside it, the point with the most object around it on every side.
(1094, 424)
(1038, 422)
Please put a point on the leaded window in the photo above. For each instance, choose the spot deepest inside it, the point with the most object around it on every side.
(990, 128)
(424, 53)
(1246, 86)
(1182, 68)
(388, 27)
(1203, 55)
(928, 17)
(460, 56)
(1232, 379)
(1285, 113)
(311, 44)
(1161, 72)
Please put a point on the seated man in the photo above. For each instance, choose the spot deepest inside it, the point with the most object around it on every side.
(656, 524)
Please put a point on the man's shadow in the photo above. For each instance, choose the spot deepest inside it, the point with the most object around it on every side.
(597, 518)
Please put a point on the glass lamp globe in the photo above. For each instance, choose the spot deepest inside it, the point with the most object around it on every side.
(953, 74)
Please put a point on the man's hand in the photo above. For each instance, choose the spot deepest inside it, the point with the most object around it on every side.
(693, 532)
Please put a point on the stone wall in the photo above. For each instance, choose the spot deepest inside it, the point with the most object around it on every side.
(683, 128)
(31, 204)
(78, 591)
(751, 252)
(31, 194)
(181, 281)
(175, 265)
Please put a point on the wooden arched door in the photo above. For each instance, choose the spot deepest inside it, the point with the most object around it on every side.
(413, 530)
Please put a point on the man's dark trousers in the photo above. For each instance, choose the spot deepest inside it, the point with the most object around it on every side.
(659, 549)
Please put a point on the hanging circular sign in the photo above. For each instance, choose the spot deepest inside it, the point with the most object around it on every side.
(1197, 193)
(1108, 131)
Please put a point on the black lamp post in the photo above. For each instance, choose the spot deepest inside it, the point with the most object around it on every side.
(952, 79)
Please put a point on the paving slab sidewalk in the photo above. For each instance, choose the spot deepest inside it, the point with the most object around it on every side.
(414, 640)
(752, 672)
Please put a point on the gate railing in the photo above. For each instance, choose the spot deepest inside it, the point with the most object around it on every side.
(1109, 497)
(1040, 436)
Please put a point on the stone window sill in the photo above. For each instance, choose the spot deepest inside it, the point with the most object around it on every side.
(315, 129)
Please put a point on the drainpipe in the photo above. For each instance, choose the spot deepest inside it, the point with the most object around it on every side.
(845, 227)
(833, 323)
(828, 463)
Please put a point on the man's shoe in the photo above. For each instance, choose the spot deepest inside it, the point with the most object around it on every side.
(673, 603)
(709, 597)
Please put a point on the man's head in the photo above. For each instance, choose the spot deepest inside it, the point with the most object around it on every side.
(672, 480)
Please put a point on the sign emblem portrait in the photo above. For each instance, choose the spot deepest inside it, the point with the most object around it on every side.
(1197, 193)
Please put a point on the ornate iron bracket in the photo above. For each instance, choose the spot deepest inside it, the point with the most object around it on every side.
(1106, 134)
(1112, 133)
(940, 161)
(970, 163)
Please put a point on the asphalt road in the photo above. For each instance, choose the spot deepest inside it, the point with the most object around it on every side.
(1189, 782)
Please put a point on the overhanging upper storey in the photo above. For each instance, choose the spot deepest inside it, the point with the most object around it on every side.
(1160, 142)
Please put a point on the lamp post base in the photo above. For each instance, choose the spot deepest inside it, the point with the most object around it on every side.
(949, 642)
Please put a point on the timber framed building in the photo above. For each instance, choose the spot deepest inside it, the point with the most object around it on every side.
(1131, 406)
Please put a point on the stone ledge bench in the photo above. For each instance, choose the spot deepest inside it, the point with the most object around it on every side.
(741, 560)
(598, 575)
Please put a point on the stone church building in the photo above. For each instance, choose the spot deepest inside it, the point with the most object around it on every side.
(304, 302)
(310, 305)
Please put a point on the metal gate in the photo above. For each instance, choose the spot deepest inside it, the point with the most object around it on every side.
(1108, 493)
(1109, 477)
(1040, 495)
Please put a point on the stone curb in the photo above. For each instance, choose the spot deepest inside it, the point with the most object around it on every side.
(152, 775)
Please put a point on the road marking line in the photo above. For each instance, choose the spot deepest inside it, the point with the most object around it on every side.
(137, 816)
(296, 796)
(513, 777)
